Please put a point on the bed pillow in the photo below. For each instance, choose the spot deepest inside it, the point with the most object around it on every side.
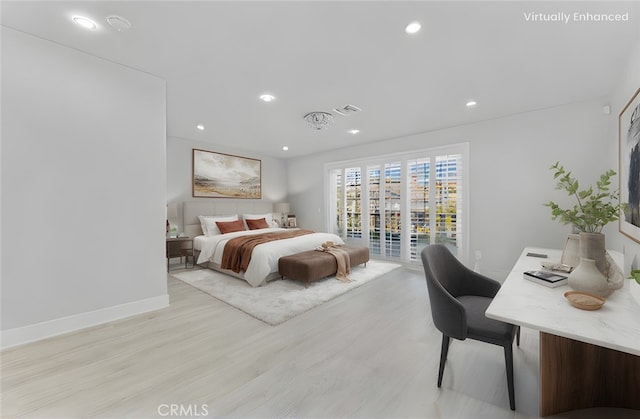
(208, 223)
(257, 224)
(268, 218)
(230, 226)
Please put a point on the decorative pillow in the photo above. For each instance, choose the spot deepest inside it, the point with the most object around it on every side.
(230, 226)
(208, 223)
(268, 218)
(257, 224)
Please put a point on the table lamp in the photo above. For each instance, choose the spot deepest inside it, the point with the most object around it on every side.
(283, 208)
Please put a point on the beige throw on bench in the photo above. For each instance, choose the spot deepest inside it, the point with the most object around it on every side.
(342, 259)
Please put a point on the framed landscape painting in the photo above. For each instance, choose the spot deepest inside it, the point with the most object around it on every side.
(217, 175)
(629, 149)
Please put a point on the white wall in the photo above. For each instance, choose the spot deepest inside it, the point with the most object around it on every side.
(509, 175)
(83, 190)
(179, 172)
(625, 87)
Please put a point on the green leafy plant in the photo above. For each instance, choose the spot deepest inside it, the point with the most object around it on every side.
(635, 274)
(595, 207)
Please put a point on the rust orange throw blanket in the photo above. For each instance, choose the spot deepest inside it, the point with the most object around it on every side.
(237, 252)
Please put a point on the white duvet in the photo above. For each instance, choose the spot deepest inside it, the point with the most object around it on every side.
(264, 259)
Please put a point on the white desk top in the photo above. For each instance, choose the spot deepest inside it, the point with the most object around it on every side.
(616, 325)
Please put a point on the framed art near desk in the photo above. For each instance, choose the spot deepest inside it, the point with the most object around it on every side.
(629, 170)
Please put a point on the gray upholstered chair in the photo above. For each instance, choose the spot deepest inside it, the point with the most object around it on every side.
(459, 297)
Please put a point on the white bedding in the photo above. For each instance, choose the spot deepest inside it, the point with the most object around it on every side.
(264, 259)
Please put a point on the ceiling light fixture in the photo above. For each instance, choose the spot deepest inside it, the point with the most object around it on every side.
(285, 148)
(471, 103)
(319, 120)
(413, 27)
(354, 131)
(85, 22)
(267, 97)
(200, 127)
(119, 23)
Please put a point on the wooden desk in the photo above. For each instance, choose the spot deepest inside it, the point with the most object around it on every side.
(587, 358)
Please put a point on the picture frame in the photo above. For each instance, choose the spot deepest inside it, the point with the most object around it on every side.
(219, 175)
(629, 167)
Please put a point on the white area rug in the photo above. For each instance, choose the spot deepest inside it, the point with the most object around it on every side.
(278, 301)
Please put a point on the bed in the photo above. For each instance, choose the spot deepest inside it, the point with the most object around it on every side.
(263, 266)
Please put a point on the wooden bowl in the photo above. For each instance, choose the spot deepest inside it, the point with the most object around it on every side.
(584, 300)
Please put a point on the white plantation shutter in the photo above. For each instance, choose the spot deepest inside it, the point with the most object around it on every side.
(393, 210)
(419, 205)
(353, 204)
(400, 203)
(375, 229)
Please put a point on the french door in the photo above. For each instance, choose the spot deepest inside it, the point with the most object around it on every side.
(398, 204)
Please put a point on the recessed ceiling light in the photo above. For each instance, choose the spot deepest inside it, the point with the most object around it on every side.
(85, 22)
(471, 103)
(200, 127)
(354, 131)
(285, 148)
(413, 27)
(267, 97)
(119, 23)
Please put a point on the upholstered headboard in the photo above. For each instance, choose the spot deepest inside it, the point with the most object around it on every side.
(191, 210)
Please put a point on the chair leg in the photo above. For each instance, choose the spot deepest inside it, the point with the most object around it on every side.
(508, 359)
(443, 357)
(518, 336)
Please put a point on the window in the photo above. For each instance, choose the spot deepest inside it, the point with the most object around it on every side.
(352, 189)
(374, 210)
(420, 199)
(392, 210)
(398, 204)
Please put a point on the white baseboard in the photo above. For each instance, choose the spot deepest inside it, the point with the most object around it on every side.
(22, 335)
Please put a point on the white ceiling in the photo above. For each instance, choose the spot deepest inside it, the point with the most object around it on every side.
(218, 57)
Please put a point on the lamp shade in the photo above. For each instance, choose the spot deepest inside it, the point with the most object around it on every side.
(172, 210)
(282, 207)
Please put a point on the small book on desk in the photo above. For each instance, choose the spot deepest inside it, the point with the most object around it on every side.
(549, 279)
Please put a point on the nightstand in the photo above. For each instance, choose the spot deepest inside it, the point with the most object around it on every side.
(178, 248)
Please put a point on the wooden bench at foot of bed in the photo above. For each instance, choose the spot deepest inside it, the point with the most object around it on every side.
(313, 265)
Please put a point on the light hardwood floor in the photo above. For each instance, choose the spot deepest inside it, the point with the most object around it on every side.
(371, 353)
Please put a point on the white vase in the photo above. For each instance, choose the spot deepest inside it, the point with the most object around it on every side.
(586, 277)
(592, 246)
(571, 251)
(634, 289)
